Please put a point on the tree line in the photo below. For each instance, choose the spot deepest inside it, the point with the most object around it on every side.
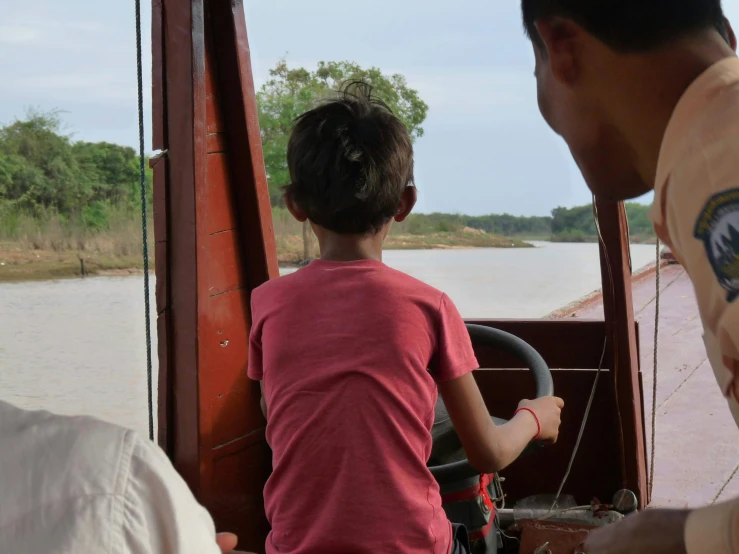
(44, 172)
(564, 225)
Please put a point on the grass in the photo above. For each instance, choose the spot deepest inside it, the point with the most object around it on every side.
(49, 246)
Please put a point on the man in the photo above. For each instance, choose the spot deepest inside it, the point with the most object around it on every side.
(77, 485)
(646, 95)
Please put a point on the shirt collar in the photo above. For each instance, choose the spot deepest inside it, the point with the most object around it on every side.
(689, 108)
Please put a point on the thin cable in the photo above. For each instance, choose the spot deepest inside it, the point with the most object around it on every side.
(597, 373)
(654, 383)
(582, 428)
(628, 238)
(145, 237)
(556, 513)
(500, 530)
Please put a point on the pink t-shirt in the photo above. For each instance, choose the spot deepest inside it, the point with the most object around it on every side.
(344, 351)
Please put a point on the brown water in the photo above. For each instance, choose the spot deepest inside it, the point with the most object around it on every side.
(78, 345)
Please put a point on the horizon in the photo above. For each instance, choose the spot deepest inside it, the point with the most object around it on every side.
(486, 149)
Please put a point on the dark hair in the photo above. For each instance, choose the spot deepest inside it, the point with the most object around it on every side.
(350, 159)
(629, 25)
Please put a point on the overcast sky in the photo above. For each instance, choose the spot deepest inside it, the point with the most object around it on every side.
(486, 149)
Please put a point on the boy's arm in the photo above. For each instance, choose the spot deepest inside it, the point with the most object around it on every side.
(491, 448)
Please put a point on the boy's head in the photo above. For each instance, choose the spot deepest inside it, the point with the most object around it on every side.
(351, 165)
(597, 60)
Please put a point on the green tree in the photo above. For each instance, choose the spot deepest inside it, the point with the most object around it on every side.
(577, 225)
(38, 166)
(111, 171)
(43, 171)
(291, 92)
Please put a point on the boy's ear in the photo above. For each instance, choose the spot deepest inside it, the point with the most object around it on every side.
(407, 202)
(294, 209)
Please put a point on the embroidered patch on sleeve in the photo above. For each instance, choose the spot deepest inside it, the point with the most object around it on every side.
(718, 228)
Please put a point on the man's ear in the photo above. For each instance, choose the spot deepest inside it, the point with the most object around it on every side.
(562, 40)
(295, 210)
(730, 31)
(407, 202)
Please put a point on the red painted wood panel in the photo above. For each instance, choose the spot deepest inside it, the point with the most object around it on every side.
(237, 490)
(561, 538)
(164, 401)
(237, 94)
(158, 92)
(619, 313)
(218, 201)
(213, 107)
(216, 142)
(161, 262)
(596, 471)
(223, 263)
(563, 343)
(180, 116)
(159, 168)
(224, 346)
(215, 243)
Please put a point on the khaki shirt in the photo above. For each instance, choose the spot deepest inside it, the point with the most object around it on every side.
(696, 213)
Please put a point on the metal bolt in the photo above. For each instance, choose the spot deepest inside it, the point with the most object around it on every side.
(625, 501)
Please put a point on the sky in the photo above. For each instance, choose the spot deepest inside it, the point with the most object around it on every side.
(485, 150)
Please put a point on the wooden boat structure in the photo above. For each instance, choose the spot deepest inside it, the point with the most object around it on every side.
(215, 244)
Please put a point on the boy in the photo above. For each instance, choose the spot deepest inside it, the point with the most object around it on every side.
(646, 95)
(349, 354)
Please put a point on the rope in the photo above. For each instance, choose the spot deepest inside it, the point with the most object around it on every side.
(145, 237)
(654, 384)
(597, 374)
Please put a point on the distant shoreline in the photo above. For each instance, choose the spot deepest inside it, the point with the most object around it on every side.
(19, 263)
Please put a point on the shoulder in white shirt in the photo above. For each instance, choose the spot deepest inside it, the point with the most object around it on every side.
(77, 485)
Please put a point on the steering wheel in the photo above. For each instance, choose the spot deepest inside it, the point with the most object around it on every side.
(448, 462)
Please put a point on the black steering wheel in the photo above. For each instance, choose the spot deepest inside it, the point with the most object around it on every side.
(448, 462)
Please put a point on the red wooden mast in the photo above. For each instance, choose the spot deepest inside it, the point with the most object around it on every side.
(214, 245)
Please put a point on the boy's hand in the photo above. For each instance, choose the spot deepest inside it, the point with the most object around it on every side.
(549, 411)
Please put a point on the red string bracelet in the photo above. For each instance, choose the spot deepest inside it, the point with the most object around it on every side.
(536, 418)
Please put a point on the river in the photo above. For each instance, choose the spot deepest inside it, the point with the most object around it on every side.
(78, 345)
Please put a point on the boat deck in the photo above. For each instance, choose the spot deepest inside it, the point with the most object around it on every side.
(697, 441)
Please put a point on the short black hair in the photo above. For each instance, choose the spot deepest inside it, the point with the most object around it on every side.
(350, 159)
(629, 25)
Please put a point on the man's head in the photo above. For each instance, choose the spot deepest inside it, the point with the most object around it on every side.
(351, 165)
(600, 63)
